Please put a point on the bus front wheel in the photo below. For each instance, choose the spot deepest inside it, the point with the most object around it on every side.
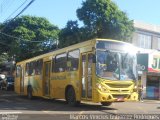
(106, 103)
(71, 97)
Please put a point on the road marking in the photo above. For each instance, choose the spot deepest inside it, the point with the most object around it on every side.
(140, 108)
(46, 111)
(4, 100)
(18, 112)
(8, 95)
(81, 112)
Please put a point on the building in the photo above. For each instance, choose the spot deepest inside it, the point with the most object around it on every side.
(147, 37)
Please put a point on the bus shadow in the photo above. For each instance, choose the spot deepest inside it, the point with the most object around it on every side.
(61, 105)
(40, 104)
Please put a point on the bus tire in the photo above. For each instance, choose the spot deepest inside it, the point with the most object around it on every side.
(106, 103)
(29, 92)
(71, 97)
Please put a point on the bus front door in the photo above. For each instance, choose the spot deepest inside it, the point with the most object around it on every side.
(47, 67)
(86, 82)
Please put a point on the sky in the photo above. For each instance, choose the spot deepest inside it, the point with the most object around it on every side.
(58, 12)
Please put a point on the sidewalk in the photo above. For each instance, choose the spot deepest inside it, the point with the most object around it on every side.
(150, 100)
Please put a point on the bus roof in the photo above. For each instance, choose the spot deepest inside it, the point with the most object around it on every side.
(71, 47)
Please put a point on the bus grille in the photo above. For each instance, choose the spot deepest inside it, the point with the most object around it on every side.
(119, 85)
(115, 91)
(121, 96)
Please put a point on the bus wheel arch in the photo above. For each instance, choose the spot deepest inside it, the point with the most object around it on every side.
(106, 103)
(70, 96)
(29, 92)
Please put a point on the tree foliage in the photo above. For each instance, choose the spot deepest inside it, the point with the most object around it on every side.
(70, 32)
(102, 19)
(3, 58)
(32, 36)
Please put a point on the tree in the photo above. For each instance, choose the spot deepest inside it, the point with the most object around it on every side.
(28, 36)
(68, 33)
(104, 20)
(72, 34)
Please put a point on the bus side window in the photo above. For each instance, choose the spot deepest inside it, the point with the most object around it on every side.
(38, 67)
(73, 60)
(34, 67)
(60, 63)
(31, 68)
(18, 70)
(27, 69)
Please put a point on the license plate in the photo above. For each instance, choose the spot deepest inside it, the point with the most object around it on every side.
(120, 99)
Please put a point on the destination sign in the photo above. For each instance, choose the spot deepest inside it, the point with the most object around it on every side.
(109, 45)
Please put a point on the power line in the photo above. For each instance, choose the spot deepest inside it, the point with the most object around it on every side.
(19, 13)
(19, 38)
(9, 5)
(5, 5)
(16, 9)
(24, 8)
(2, 5)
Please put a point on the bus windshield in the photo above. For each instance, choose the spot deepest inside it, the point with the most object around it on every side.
(115, 65)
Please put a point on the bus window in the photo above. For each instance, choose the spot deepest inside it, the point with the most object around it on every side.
(27, 69)
(73, 58)
(31, 68)
(34, 67)
(38, 67)
(60, 63)
(18, 70)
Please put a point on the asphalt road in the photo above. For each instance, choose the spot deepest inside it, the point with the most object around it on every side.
(13, 106)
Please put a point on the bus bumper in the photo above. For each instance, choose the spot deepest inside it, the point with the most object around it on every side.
(115, 97)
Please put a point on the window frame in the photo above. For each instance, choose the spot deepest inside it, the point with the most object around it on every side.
(56, 64)
(39, 67)
(70, 68)
(145, 41)
(18, 71)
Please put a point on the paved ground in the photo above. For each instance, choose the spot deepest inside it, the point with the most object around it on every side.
(12, 106)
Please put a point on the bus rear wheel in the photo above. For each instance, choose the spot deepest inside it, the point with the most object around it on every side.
(106, 103)
(71, 97)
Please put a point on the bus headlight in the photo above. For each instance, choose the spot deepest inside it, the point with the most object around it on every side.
(135, 89)
(102, 87)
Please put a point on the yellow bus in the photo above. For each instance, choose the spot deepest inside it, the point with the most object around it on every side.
(98, 70)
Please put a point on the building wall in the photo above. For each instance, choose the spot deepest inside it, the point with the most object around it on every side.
(147, 30)
(144, 32)
(135, 39)
(154, 42)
